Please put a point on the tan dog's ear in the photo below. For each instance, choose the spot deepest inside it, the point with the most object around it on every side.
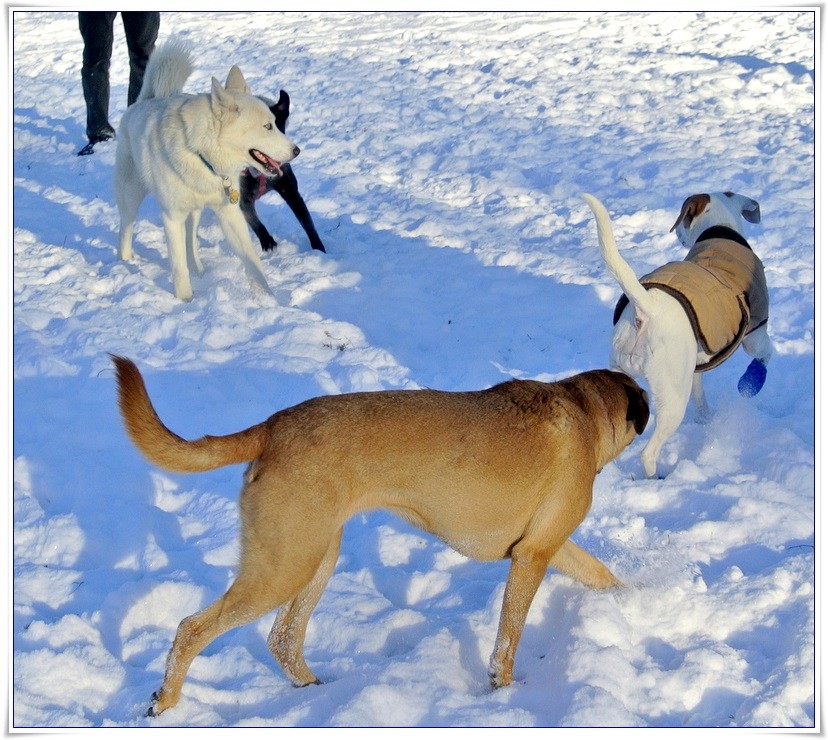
(638, 407)
(691, 208)
(236, 81)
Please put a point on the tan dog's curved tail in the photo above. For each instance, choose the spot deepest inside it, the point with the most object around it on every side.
(620, 270)
(166, 449)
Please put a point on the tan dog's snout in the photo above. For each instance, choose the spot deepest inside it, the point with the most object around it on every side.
(638, 410)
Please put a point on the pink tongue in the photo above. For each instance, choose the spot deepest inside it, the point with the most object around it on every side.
(272, 163)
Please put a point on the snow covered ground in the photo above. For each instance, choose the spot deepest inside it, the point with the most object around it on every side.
(442, 158)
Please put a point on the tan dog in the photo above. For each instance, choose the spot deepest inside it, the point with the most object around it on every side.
(504, 472)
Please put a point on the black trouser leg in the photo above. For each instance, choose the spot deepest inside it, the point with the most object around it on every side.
(141, 29)
(96, 30)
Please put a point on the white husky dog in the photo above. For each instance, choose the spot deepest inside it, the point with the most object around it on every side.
(188, 151)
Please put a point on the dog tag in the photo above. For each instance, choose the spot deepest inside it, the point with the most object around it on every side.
(226, 182)
(232, 193)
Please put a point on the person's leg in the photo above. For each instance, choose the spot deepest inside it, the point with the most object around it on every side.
(96, 31)
(141, 29)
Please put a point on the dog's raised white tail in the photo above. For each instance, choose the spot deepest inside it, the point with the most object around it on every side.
(168, 68)
(620, 270)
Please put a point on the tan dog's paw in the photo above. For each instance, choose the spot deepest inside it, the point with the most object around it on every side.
(160, 702)
(499, 675)
(497, 682)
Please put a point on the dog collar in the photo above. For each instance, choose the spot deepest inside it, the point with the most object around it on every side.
(261, 185)
(723, 232)
(226, 182)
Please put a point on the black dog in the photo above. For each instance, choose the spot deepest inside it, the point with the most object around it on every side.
(254, 186)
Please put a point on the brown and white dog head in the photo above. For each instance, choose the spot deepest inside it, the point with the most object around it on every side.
(700, 212)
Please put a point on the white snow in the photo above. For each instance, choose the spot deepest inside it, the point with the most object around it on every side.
(443, 155)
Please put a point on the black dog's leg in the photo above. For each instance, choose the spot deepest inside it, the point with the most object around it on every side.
(249, 187)
(288, 188)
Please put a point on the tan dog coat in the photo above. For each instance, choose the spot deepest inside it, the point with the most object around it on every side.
(721, 285)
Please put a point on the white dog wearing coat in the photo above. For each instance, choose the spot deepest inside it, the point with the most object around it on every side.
(189, 151)
(689, 316)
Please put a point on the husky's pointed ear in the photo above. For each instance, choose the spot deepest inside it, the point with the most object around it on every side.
(221, 100)
(236, 81)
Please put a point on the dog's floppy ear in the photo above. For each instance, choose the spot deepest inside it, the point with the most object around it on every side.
(638, 406)
(236, 81)
(691, 208)
(749, 208)
(750, 211)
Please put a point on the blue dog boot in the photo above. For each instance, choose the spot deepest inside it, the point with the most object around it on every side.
(754, 378)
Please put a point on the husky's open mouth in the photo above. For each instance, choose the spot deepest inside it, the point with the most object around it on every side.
(270, 165)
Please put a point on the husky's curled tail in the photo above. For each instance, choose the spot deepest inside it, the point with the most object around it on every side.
(169, 67)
